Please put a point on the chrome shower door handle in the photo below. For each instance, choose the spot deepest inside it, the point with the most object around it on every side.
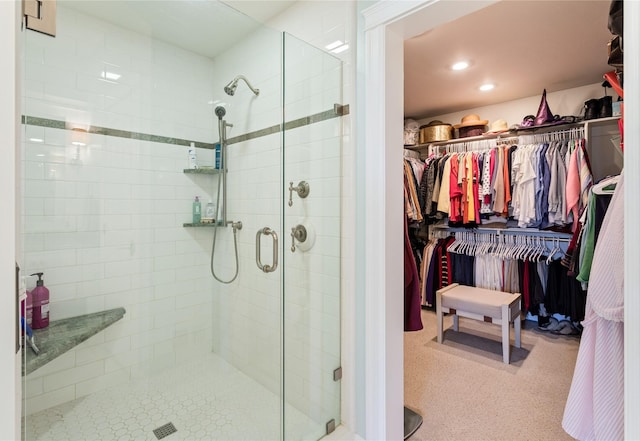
(267, 232)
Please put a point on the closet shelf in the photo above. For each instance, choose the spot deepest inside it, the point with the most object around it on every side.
(517, 132)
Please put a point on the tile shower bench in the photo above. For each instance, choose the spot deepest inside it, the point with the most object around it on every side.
(63, 335)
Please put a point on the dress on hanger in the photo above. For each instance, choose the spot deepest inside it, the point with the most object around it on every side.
(595, 406)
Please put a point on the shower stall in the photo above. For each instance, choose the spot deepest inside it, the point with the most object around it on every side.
(143, 342)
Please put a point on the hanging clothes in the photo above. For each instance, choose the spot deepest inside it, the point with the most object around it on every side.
(440, 271)
(538, 184)
(579, 181)
(412, 204)
(596, 208)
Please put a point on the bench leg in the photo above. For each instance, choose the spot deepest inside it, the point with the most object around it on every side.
(516, 327)
(505, 333)
(517, 324)
(439, 315)
(456, 322)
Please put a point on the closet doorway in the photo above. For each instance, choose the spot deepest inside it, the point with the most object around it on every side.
(469, 361)
(388, 29)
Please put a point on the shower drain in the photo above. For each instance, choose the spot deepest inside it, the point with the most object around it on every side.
(165, 430)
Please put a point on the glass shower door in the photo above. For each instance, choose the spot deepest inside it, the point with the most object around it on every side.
(311, 234)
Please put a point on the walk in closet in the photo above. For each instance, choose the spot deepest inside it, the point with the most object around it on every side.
(525, 217)
(515, 210)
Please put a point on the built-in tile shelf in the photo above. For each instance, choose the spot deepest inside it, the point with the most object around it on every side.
(202, 171)
(63, 335)
(202, 224)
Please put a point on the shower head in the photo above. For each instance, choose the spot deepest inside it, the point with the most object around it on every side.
(230, 88)
(220, 112)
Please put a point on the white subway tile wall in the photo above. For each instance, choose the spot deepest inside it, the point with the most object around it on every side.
(103, 215)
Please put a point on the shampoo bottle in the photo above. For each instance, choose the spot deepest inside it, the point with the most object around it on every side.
(196, 211)
(40, 300)
(218, 152)
(193, 158)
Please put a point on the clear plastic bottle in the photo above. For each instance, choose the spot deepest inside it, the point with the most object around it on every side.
(209, 212)
(196, 211)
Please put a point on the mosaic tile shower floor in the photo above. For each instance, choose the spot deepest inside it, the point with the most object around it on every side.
(207, 399)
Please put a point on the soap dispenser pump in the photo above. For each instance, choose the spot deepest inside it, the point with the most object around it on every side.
(40, 296)
(196, 211)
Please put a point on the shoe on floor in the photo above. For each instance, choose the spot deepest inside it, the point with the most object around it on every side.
(565, 327)
(550, 325)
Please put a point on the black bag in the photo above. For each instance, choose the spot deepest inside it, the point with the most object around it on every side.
(616, 57)
(615, 25)
(615, 17)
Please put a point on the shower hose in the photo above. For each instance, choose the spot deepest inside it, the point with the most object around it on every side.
(215, 234)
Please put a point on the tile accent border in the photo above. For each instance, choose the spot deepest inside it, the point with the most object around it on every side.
(337, 111)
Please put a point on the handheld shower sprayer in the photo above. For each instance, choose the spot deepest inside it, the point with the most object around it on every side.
(230, 88)
(220, 112)
(221, 219)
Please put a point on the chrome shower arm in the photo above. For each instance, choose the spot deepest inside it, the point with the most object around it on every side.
(230, 88)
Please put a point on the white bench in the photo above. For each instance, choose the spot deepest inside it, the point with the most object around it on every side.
(500, 308)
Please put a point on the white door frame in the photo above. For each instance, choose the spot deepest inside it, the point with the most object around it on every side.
(387, 25)
(10, 106)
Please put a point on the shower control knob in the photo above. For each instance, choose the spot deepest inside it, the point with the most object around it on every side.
(299, 233)
(302, 189)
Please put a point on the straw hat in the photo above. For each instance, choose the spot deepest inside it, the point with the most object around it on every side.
(498, 126)
(470, 121)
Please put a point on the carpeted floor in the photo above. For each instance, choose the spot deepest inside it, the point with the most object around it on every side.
(464, 391)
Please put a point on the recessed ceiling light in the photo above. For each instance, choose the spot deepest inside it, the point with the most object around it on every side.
(339, 49)
(334, 45)
(460, 65)
(487, 87)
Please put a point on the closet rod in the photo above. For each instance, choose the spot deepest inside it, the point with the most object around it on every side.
(562, 135)
(506, 231)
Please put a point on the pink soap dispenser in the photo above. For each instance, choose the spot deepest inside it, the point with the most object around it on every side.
(27, 307)
(40, 300)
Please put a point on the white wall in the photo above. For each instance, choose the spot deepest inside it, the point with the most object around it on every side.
(103, 220)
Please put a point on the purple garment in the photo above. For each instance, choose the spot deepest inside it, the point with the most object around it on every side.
(412, 308)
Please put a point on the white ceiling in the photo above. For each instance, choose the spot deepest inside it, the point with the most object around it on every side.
(522, 46)
(204, 27)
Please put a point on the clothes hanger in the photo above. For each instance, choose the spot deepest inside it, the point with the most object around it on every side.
(606, 185)
(553, 252)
